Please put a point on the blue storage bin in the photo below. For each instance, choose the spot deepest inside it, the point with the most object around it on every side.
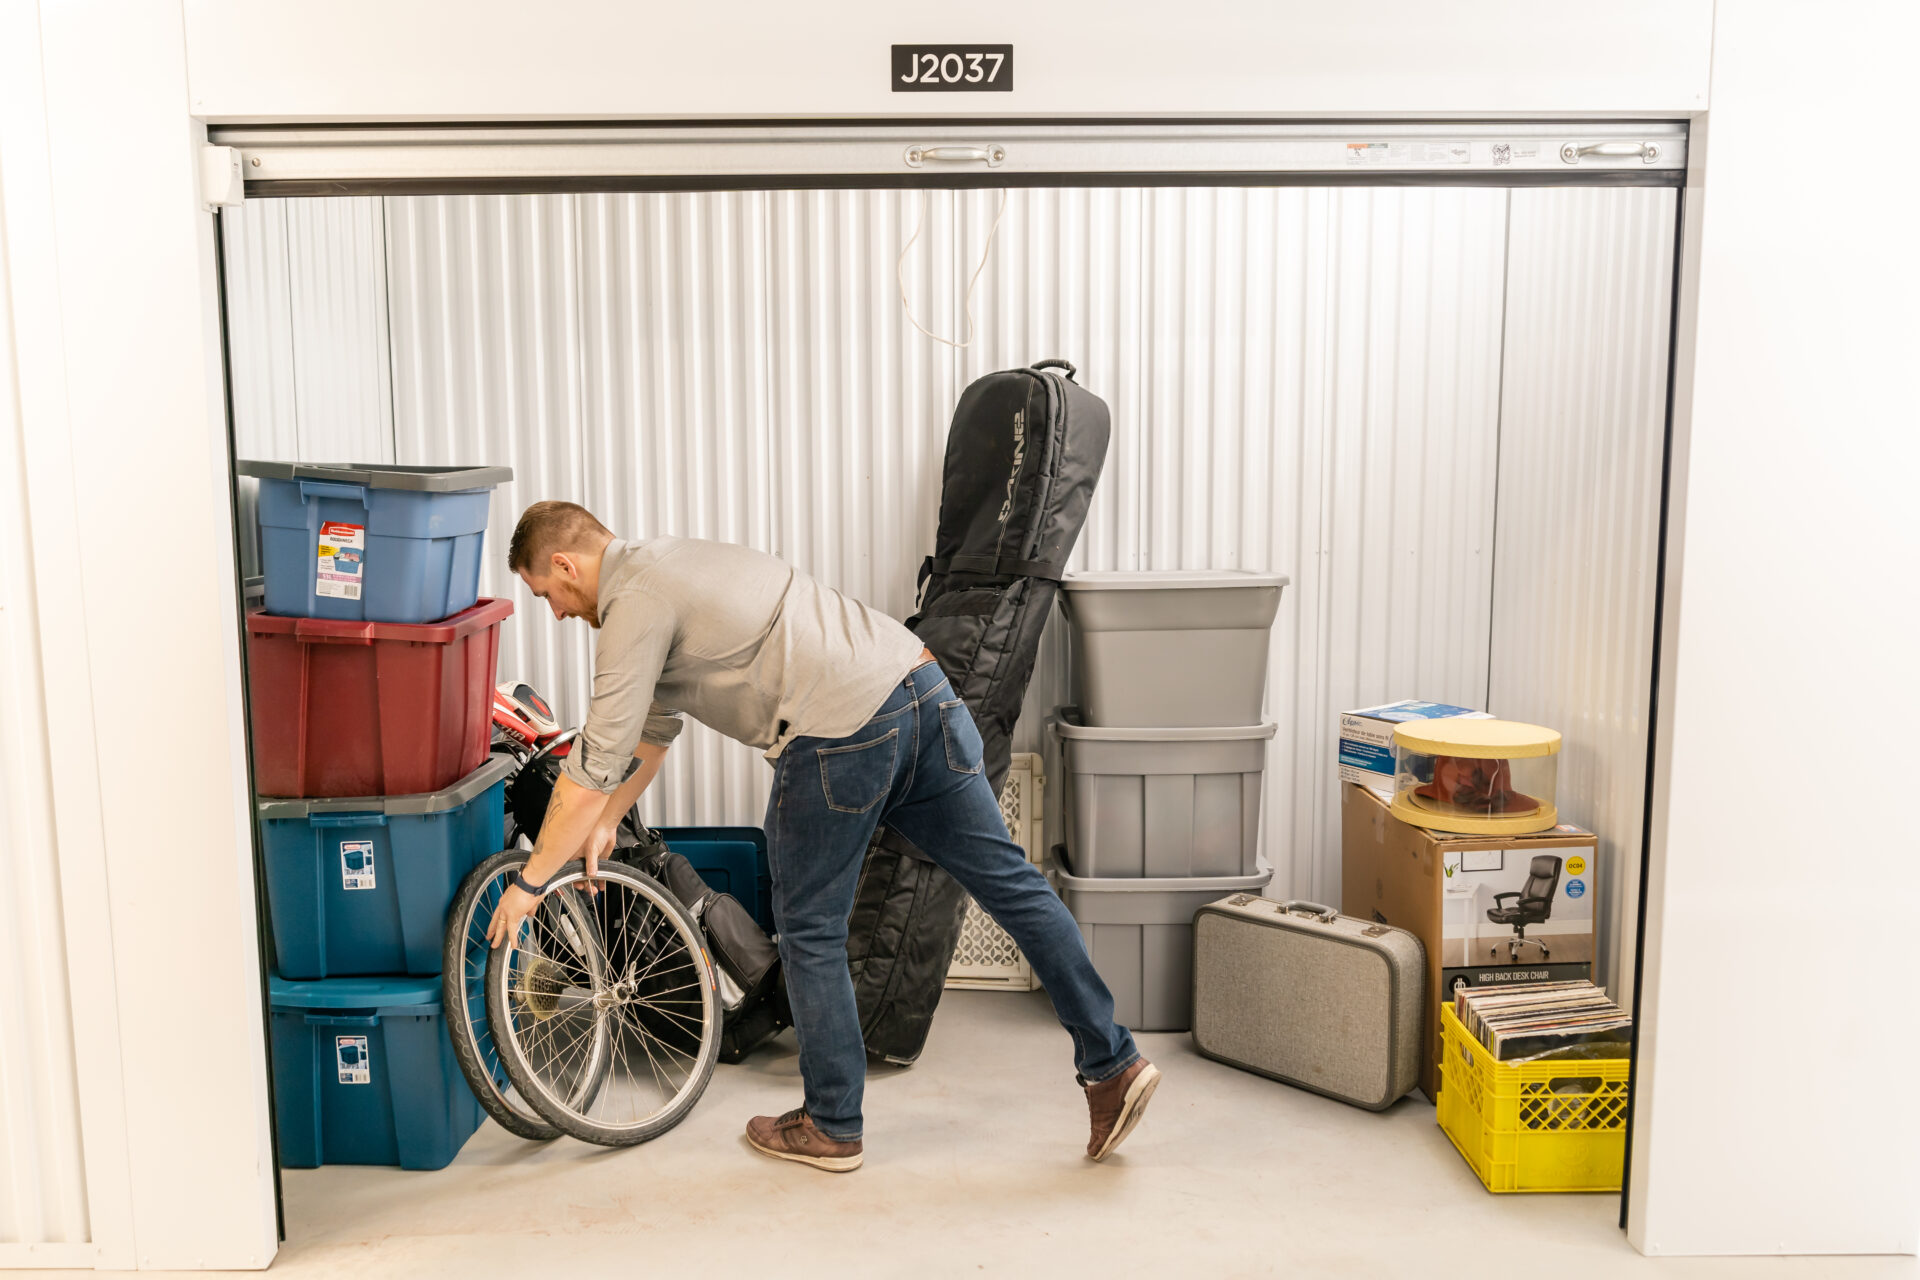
(372, 543)
(361, 885)
(732, 860)
(364, 1073)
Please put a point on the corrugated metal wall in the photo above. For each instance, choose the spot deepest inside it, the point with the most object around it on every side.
(1584, 404)
(1302, 380)
(310, 360)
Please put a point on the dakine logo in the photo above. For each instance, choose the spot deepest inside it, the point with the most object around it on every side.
(1019, 456)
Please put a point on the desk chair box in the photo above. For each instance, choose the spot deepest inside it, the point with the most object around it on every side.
(1490, 910)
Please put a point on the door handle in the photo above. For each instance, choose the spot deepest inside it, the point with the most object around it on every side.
(992, 155)
(1574, 152)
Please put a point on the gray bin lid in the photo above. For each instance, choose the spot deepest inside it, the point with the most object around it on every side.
(380, 475)
(1165, 579)
(1069, 722)
(496, 769)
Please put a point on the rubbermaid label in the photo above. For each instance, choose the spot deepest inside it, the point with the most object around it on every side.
(356, 864)
(350, 1052)
(341, 556)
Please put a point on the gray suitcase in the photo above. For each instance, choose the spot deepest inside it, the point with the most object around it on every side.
(1301, 993)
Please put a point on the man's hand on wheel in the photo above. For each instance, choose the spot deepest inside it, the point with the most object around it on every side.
(514, 907)
(599, 845)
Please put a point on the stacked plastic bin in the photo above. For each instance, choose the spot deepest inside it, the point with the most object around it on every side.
(370, 680)
(1164, 757)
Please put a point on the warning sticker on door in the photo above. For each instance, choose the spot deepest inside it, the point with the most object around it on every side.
(1375, 152)
(351, 1054)
(342, 555)
(356, 864)
(1415, 153)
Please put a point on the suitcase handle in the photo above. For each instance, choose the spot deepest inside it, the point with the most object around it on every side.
(1057, 363)
(1301, 907)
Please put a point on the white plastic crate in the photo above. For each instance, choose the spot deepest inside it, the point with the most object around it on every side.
(986, 959)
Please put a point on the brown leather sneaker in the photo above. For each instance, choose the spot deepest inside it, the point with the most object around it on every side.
(1116, 1105)
(793, 1137)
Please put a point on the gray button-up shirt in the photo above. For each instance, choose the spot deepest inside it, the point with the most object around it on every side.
(740, 641)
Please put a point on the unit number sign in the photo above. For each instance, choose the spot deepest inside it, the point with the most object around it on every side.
(953, 68)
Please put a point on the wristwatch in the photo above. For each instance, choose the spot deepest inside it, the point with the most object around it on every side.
(525, 885)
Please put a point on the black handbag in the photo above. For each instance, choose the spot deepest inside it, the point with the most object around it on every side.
(741, 949)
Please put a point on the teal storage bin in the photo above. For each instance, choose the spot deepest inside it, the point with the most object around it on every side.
(372, 542)
(732, 860)
(361, 885)
(364, 1073)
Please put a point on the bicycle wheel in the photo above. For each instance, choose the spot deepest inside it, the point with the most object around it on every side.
(640, 996)
(463, 970)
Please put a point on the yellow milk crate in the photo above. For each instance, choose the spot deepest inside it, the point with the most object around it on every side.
(1535, 1126)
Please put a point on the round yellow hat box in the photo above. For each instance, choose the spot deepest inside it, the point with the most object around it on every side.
(1481, 777)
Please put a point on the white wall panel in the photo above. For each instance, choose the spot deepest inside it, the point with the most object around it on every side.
(43, 1187)
(1582, 430)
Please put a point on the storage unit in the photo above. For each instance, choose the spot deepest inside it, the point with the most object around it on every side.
(372, 542)
(1172, 647)
(732, 860)
(370, 708)
(364, 1073)
(360, 885)
(986, 958)
(1140, 934)
(1162, 802)
(1533, 1126)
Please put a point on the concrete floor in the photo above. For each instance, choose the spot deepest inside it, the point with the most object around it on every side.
(974, 1167)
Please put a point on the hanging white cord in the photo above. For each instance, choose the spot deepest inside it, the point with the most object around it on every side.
(900, 271)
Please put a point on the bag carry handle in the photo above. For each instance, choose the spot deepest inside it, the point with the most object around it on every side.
(1057, 363)
(1301, 907)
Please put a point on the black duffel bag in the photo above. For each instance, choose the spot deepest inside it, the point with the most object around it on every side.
(1023, 456)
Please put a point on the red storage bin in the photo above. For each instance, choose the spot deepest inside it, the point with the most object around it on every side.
(371, 708)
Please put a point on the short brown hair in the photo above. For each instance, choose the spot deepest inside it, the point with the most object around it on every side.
(547, 527)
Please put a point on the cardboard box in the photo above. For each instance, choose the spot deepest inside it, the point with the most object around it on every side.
(1366, 736)
(1439, 886)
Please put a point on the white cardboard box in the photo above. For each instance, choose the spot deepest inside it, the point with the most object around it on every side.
(1366, 737)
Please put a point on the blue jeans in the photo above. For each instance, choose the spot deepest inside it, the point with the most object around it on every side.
(915, 767)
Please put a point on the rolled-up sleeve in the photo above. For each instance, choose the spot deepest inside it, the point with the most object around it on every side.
(636, 635)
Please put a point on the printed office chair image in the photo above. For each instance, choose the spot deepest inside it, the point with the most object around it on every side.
(1535, 905)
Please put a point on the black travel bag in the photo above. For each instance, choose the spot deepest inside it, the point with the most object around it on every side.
(1023, 456)
(756, 1006)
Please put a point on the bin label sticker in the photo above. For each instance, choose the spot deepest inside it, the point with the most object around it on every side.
(1576, 864)
(356, 864)
(1576, 888)
(342, 555)
(350, 1052)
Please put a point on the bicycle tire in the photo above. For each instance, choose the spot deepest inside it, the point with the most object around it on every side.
(463, 962)
(656, 973)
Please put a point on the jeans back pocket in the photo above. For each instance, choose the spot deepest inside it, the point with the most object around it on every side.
(855, 778)
(962, 735)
